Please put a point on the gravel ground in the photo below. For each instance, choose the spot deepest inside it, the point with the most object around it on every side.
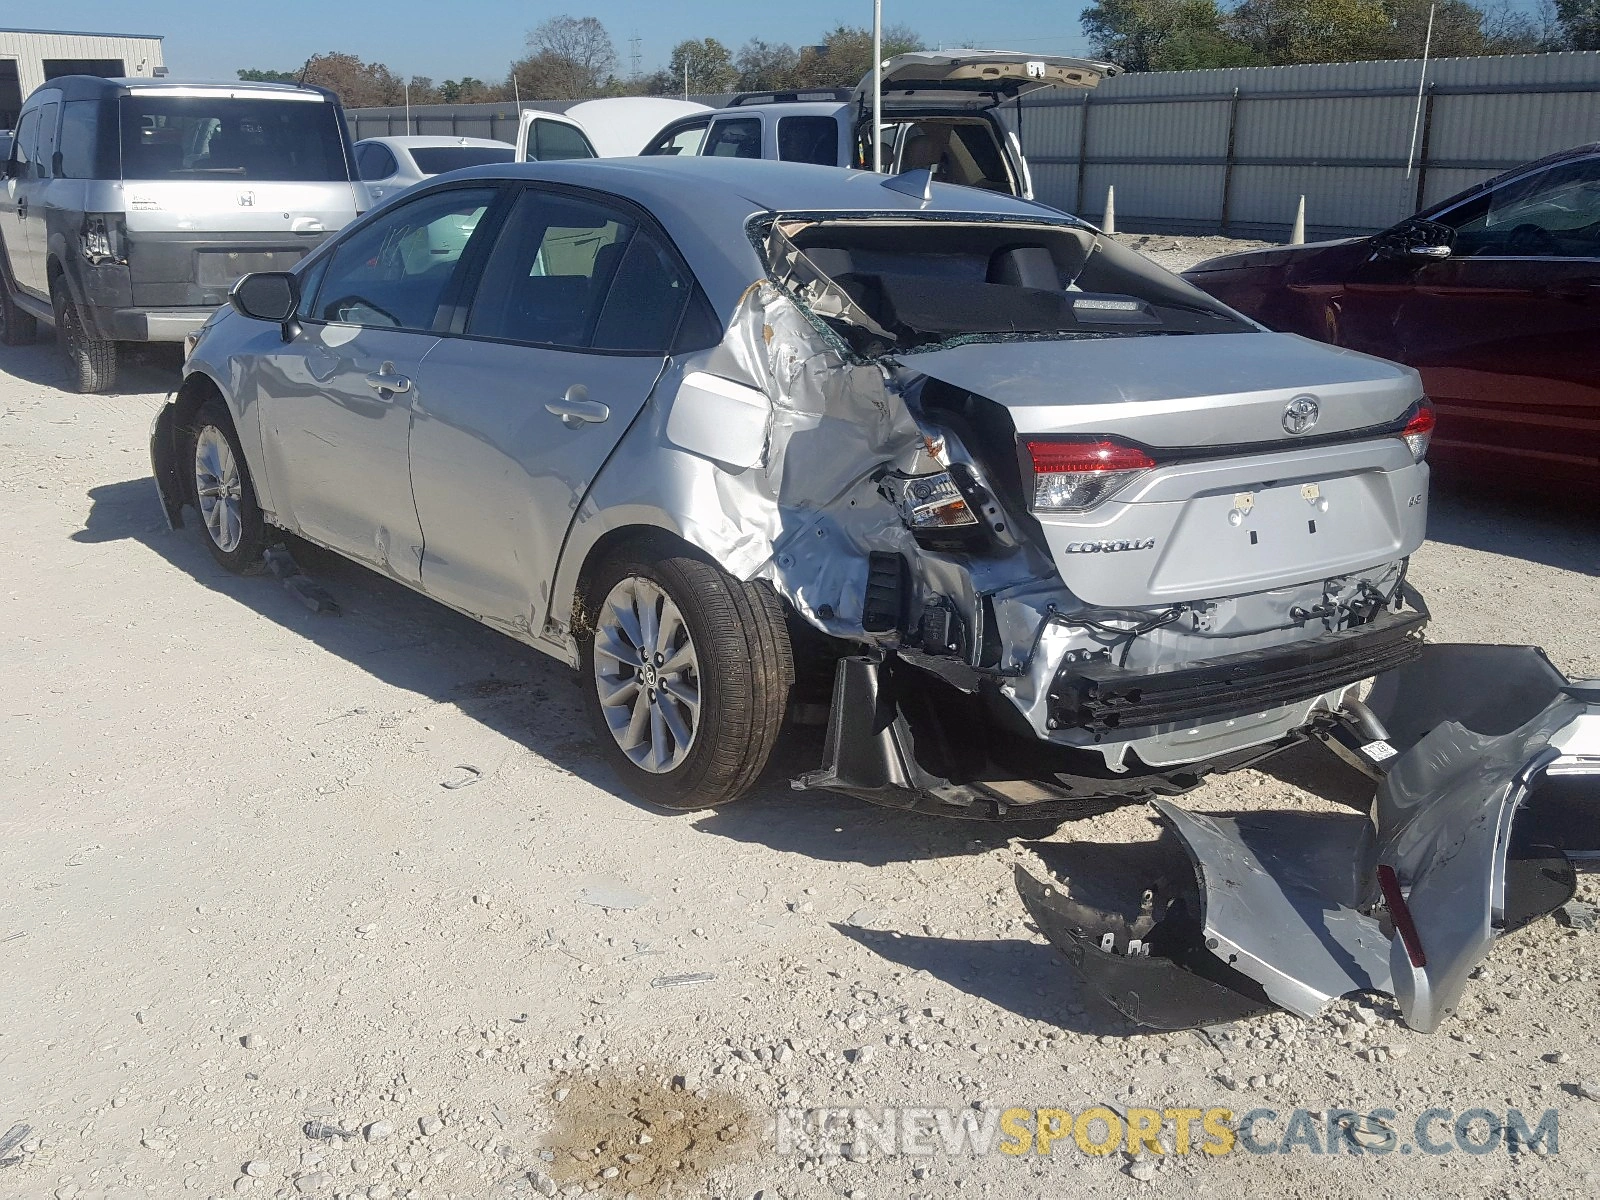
(257, 937)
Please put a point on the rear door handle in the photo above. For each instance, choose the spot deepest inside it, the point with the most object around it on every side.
(576, 409)
(386, 380)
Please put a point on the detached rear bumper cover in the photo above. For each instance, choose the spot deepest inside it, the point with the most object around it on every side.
(1495, 783)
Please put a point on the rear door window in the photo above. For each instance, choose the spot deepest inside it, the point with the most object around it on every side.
(374, 161)
(230, 138)
(44, 154)
(88, 139)
(575, 273)
(809, 140)
(436, 160)
(22, 149)
(737, 137)
(394, 274)
(680, 139)
(554, 141)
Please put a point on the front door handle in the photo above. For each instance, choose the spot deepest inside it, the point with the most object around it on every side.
(22, 208)
(385, 380)
(576, 409)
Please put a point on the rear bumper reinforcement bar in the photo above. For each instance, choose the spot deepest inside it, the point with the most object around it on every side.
(1102, 698)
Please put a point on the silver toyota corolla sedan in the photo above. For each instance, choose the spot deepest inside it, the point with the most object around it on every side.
(1040, 527)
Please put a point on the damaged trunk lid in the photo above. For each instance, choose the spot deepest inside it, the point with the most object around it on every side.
(979, 79)
(1260, 460)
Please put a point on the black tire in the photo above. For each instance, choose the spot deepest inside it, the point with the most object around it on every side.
(245, 553)
(17, 328)
(745, 674)
(91, 362)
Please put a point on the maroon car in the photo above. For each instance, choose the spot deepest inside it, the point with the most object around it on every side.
(1494, 295)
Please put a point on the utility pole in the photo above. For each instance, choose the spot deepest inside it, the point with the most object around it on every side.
(407, 87)
(877, 85)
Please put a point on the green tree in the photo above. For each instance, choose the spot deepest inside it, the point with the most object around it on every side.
(845, 55)
(765, 66)
(1164, 35)
(256, 76)
(705, 63)
(1579, 22)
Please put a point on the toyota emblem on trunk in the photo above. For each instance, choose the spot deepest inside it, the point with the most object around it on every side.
(1301, 414)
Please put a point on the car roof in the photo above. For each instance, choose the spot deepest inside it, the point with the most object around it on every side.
(97, 87)
(424, 141)
(702, 201)
(787, 108)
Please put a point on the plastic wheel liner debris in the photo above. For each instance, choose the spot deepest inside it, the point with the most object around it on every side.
(1071, 534)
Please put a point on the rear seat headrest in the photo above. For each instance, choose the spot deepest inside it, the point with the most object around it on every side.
(1024, 266)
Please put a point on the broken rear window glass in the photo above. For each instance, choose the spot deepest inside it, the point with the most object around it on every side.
(905, 284)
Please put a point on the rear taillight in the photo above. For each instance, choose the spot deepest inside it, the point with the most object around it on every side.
(103, 239)
(1419, 429)
(1070, 475)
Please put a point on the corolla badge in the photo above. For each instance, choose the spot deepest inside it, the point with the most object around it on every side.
(1301, 414)
(1110, 547)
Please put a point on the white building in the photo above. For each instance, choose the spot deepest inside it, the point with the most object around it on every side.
(28, 57)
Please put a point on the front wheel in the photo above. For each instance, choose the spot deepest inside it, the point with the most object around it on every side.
(235, 529)
(686, 677)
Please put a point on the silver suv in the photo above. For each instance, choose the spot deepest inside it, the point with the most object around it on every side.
(131, 206)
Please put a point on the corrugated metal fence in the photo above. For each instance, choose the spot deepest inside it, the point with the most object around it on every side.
(1233, 150)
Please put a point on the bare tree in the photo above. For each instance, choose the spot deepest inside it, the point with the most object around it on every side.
(572, 58)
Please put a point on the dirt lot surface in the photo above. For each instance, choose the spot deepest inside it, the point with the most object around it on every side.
(297, 904)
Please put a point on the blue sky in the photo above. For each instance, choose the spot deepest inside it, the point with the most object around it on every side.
(450, 38)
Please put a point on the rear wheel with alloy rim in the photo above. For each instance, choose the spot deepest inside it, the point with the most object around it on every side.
(687, 676)
(235, 530)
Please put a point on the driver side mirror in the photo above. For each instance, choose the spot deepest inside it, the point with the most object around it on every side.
(1417, 240)
(267, 296)
(13, 169)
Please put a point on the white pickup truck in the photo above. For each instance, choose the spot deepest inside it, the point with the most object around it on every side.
(941, 113)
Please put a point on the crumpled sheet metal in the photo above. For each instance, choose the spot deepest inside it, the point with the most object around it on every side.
(1293, 912)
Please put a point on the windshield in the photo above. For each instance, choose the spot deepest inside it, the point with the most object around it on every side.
(436, 160)
(907, 284)
(232, 138)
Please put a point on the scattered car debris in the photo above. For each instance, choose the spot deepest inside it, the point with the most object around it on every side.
(1575, 914)
(465, 776)
(675, 981)
(1495, 780)
(313, 595)
(13, 1138)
